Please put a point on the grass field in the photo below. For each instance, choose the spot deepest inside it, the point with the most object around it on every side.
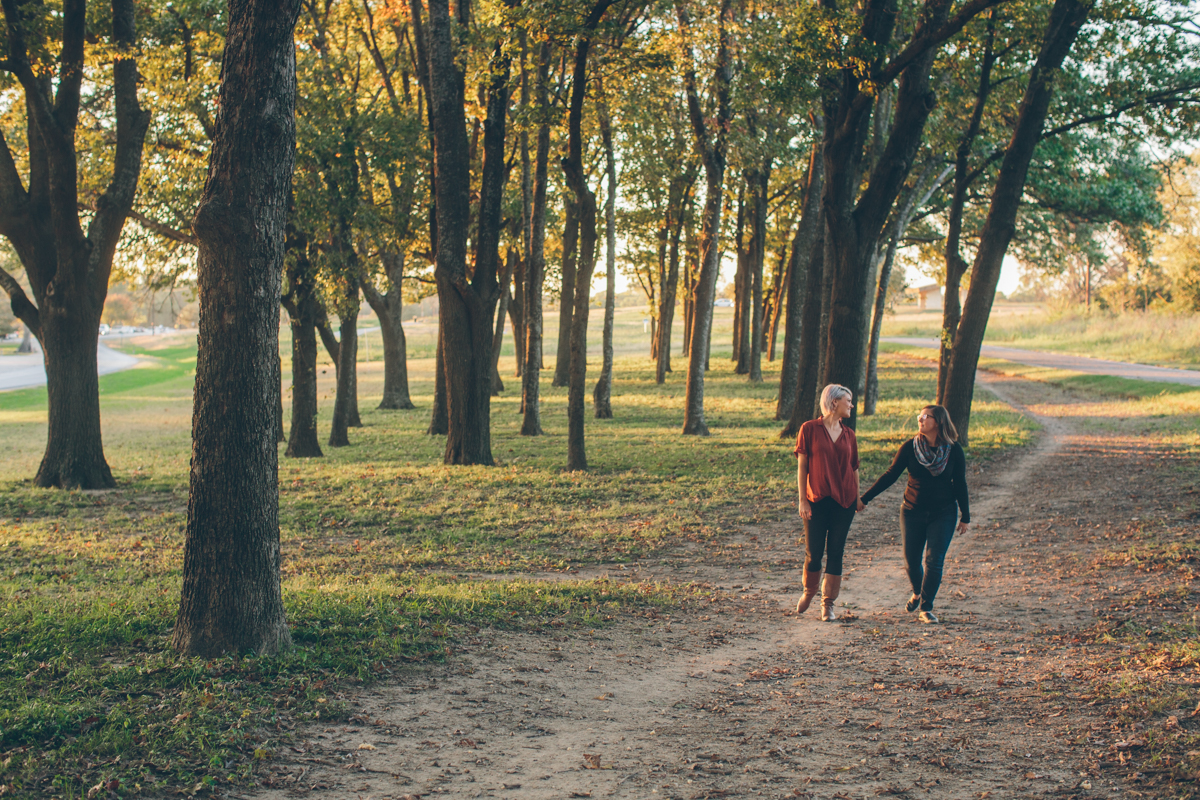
(388, 555)
(1162, 338)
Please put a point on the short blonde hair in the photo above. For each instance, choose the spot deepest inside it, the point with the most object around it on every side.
(831, 394)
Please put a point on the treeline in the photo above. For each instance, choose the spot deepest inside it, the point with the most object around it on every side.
(495, 152)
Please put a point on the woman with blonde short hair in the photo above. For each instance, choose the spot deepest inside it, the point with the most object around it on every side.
(935, 495)
(827, 481)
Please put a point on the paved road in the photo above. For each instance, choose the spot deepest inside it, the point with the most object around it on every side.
(20, 372)
(1090, 366)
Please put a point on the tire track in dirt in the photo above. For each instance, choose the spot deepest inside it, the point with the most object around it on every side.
(742, 698)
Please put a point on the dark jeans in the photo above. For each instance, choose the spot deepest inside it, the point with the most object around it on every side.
(825, 534)
(929, 533)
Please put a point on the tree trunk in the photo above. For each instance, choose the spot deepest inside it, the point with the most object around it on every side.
(854, 221)
(757, 258)
(346, 398)
(303, 308)
(774, 309)
(230, 600)
(602, 394)
(1066, 18)
(812, 345)
(679, 195)
(439, 420)
(466, 305)
(801, 287)
(585, 204)
(712, 146)
(531, 422)
(68, 270)
(566, 298)
(302, 439)
(389, 308)
(501, 314)
(741, 293)
(516, 314)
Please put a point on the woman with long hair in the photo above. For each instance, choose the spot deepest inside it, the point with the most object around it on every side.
(933, 500)
(827, 480)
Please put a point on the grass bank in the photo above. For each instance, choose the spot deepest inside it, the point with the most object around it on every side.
(388, 556)
(1162, 338)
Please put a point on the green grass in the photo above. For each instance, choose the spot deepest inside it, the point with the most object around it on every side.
(1164, 338)
(388, 555)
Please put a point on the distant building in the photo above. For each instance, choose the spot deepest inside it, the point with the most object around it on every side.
(929, 297)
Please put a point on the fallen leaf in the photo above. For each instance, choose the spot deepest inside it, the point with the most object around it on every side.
(604, 696)
(591, 761)
(365, 746)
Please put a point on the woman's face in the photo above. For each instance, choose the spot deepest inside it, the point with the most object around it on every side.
(927, 425)
(842, 407)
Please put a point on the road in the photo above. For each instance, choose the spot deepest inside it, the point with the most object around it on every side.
(23, 371)
(1089, 366)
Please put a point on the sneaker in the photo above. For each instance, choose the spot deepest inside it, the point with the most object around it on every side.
(913, 603)
(928, 617)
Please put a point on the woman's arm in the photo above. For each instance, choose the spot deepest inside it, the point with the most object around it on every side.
(860, 505)
(960, 487)
(802, 484)
(888, 478)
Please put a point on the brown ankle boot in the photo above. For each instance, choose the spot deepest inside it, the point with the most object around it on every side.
(812, 585)
(829, 593)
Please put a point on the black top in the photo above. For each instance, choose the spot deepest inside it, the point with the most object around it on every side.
(926, 491)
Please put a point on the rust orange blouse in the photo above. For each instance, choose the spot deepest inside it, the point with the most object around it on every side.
(831, 465)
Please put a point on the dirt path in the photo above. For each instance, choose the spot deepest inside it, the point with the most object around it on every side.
(744, 699)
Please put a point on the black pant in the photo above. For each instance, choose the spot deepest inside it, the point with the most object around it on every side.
(928, 533)
(825, 535)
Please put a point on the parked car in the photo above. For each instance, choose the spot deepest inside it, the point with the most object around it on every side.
(723, 302)
(104, 329)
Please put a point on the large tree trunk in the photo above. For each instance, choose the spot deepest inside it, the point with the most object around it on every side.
(531, 422)
(854, 221)
(389, 309)
(712, 145)
(801, 287)
(68, 270)
(466, 305)
(602, 394)
(679, 198)
(812, 345)
(230, 601)
(917, 197)
(1066, 18)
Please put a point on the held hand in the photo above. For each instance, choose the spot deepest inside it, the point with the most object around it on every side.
(860, 506)
(962, 527)
(805, 508)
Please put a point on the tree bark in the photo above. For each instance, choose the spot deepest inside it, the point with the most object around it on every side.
(389, 309)
(531, 422)
(439, 420)
(741, 294)
(757, 258)
(712, 148)
(801, 287)
(501, 314)
(302, 305)
(230, 600)
(678, 200)
(345, 402)
(602, 394)
(466, 305)
(585, 202)
(566, 297)
(812, 345)
(1066, 18)
(854, 221)
(68, 269)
